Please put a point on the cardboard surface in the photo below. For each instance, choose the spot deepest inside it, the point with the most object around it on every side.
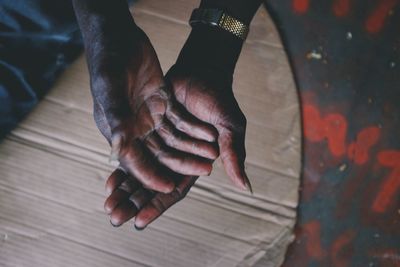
(53, 167)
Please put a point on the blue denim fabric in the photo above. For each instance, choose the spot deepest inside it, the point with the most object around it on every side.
(38, 39)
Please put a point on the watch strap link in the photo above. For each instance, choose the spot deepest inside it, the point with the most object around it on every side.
(219, 18)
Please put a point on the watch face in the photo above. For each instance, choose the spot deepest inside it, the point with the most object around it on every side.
(209, 16)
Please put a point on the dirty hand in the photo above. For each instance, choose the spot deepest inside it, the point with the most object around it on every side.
(211, 100)
(142, 123)
(151, 136)
(205, 91)
(201, 80)
(207, 96)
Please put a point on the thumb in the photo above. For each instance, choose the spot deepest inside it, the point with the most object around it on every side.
(233, 154)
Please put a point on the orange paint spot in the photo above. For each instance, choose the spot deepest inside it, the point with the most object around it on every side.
(312, 232)
(340, 252)
(359, 150)
(376, 20)
(333, 127)
(341, 8)
(300, 6)
(387, 192)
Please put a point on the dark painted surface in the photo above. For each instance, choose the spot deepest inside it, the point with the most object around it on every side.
(346, 58)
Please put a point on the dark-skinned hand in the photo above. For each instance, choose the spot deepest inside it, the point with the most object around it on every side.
(153, 138)
(210, 99)
(161, 144)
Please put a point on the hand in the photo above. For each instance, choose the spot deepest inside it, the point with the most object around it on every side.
(208, 96)
(153, 138)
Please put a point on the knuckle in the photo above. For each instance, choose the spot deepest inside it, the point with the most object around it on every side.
(178, 194)
(160, 155)
(182, 192)
(159, 205)
(194, 146)
(173, 114)
(164, 127)
(180, 125)
(171, 140)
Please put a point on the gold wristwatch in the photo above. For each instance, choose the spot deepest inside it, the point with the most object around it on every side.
(219, 18)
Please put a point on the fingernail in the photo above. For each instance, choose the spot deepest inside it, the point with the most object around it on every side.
(138, 228)
(206, 172)
(114, 225)
(248, 185)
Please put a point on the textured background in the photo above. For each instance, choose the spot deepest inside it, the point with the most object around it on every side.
(53, 167)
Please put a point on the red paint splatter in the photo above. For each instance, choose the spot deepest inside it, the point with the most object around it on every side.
(387, 192)
(359, 150)
(333, 127)
(350, 189)
(341, 250)
(313, 124)
(301, 6)
(341, 8)
(336, 129)
(312, 231)
(376, 20)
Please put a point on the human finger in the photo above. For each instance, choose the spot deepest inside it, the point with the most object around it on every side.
(114, 199)
(161, 202)
(141, 164)
(233, 154)
(123, 213)
(117, 177)
(121, 192)
(183, 142)
(177, 161)
(189, 124)
(129, 207)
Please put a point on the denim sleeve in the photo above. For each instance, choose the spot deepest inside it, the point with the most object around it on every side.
(38, 39)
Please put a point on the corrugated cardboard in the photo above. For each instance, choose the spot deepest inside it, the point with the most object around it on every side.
(53, 167)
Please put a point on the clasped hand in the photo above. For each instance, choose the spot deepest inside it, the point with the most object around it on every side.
(165, 132)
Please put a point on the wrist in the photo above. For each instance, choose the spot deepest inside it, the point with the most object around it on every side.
(103, 21)
(100, 11)
(242, 10)
(210, 48)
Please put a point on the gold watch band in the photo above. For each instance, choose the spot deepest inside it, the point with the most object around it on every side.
(233, 26)
(219, 18)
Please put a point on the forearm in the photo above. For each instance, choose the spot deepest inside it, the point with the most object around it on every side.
(103, 23)
(213, 47)
(106, 27)
(96, 15)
